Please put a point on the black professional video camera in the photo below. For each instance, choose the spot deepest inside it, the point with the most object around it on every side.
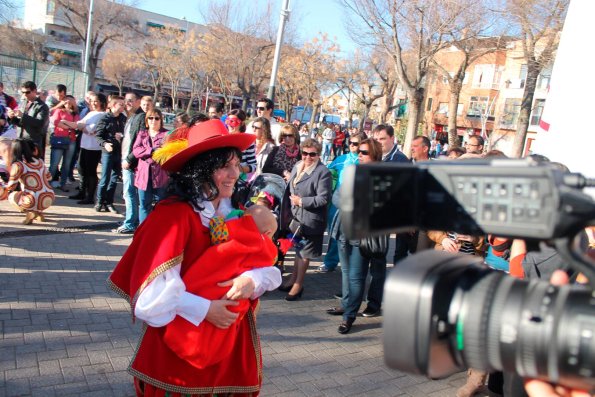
(445, 312)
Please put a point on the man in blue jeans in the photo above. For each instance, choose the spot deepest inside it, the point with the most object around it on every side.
(110, 131)
(136, 121)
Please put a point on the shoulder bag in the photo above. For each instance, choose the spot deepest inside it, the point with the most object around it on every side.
(374, 247)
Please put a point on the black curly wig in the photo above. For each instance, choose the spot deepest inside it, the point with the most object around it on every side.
(196, 177)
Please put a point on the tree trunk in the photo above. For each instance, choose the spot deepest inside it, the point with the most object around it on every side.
(245, 100)
(520, 136)
(92, 70)
(387, 104)
(453, 104)
(192, 96)
(315, 108)
(156, 92)
(416, 99)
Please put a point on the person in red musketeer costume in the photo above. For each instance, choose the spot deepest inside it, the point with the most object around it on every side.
(241, 244)
(151, 275)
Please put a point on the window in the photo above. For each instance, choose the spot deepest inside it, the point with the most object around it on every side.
(442, 108)
(486, 76)
(523, 76)
(429, 106)
(51, 7)
(543, 80)
(154, 25)
(460, 108)
(537, 111)
(477, 106)
(510, 115)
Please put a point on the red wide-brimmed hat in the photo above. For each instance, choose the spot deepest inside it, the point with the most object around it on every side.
(202, 137)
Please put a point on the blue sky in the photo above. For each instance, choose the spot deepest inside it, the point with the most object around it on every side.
(313, 15)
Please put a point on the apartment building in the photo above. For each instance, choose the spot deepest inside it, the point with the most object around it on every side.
(46, 17)
(490, 98)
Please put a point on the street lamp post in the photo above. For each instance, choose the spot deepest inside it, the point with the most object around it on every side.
(284, 17)
(88, 45)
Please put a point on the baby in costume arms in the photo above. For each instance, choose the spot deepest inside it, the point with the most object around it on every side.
(243, 241)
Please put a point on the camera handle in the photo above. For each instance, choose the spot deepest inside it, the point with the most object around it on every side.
(568, 249)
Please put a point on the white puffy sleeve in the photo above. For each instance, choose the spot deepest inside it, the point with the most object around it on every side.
(265, 279)
(165, 297)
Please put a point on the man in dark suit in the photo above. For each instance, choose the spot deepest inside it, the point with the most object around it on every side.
(385, 135)
(34, 118)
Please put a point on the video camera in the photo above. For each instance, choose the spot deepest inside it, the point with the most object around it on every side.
(444, 312)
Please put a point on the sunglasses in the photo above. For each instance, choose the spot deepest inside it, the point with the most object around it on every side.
(156, 118)
(364, 152)
(354, 143)
(256, 128)
(261, 108)
(233, 121)
(25, 92)
(311, 154)
(287, 136)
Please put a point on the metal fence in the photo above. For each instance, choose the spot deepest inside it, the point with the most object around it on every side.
(15, 71)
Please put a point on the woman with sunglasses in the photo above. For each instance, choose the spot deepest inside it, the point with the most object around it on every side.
(236, 124)
(354, 266)
(150, 179)
(331, 258)
(309, 188)
(285, 156)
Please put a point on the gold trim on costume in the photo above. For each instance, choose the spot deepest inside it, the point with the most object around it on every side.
(160, 269)
(204, 390)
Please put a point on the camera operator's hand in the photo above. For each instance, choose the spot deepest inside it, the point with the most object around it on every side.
(449, 245)
(539, 388)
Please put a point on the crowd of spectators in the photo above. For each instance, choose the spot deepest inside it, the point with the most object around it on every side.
(123, 134)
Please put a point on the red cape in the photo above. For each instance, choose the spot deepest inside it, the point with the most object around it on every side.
(246, 249)
(173, 234)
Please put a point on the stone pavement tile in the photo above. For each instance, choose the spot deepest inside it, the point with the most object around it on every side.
(51, 355)
(72, 374)
(284, 383)
(26, 360)
(72, 388)
(309, 389)
(97, 356)
(77, 361)
(45, 391)
(291, 393)
(17, 387)
(269, 389)
(20, 373)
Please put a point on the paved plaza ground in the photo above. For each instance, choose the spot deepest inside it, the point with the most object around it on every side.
(64, 333)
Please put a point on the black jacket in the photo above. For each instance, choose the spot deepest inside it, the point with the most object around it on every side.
(107, 128)
(137, 123)
(34, 121)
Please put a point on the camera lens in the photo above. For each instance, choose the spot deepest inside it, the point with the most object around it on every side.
(446, 312)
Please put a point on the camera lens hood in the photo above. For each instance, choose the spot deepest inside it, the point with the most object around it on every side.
(418, 295)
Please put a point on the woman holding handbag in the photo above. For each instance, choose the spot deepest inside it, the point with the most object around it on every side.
(150, 179)
(309, 187)
(357, 256)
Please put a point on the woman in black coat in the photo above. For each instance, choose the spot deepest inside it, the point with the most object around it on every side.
(310, 188)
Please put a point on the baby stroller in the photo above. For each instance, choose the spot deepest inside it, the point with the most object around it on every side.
(268, 190)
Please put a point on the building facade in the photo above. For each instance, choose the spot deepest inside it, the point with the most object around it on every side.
(490, 97)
